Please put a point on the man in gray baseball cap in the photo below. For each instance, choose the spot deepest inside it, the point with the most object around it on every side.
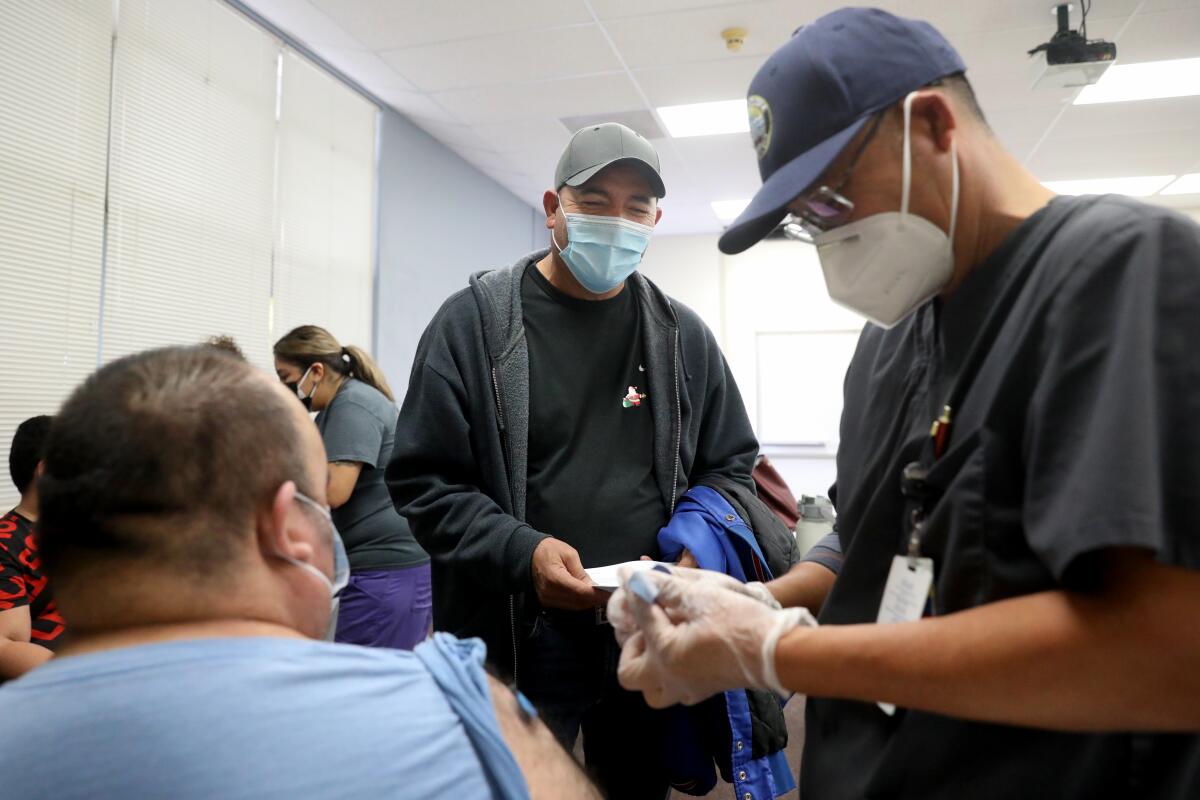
(556, 412)
(593, 148)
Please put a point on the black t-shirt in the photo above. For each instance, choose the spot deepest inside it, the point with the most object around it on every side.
(1080, 431)
(22, 582)
(591, 437)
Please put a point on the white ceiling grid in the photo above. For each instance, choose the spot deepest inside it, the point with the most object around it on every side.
(492, 78)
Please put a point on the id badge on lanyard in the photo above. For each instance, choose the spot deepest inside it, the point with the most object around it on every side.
(910, 579)
(909, 587)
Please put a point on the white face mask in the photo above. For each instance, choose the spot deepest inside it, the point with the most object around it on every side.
(886, 265)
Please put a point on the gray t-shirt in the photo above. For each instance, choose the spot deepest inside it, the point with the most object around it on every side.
(360, 425)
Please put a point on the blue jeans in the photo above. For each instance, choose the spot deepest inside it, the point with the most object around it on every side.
(569, 670)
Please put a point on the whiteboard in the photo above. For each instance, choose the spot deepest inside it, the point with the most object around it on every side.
(799, 386)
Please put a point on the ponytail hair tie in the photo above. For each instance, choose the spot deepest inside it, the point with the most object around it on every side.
(345, 356)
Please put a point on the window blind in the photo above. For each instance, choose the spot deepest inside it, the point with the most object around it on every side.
(193, 139)
(324, 265)
(238, 179)
(54, 104)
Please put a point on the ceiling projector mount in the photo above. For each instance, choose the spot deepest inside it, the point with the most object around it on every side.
(1070, 59)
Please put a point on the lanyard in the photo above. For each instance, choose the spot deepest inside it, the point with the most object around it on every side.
(921, 493)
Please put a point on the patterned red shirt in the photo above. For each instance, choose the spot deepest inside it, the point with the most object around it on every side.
(22, 582)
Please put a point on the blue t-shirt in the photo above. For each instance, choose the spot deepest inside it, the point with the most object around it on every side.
(257, 718)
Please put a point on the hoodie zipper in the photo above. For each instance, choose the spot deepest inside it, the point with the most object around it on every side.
(678, 424)
(512, 599)
(499, 404)
(512, 629)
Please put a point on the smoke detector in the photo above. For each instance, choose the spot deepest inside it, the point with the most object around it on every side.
(734, 38)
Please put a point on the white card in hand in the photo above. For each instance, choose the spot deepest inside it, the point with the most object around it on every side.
(608, 579)
(904, 596)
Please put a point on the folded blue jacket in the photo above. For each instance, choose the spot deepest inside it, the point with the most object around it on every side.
(739, 732)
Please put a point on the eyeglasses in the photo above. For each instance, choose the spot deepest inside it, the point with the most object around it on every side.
(824, 208)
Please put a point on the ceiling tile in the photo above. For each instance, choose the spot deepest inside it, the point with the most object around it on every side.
(615, 9)
(419, 107)
(1153, 6)
(529, 134)
(588, 95)
(721, 163)
(510, 58)
(487, 79)
(1140, 116)
(696, 35)
(304, 22)
(390, 24)
(723, 79)
(1157, 37)
(992, 17)
(537, 166)
(365, 67)
(1021, 124)
(455, 135)
(1115, 155)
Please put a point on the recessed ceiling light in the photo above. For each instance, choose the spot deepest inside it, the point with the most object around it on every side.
(728, 210)
(1149, 80)
(1185, 184)
(1137, 186)
(705, 119)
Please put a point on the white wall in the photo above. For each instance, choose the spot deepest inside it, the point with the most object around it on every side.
(440, 220)
(768, 302)
(688, 268)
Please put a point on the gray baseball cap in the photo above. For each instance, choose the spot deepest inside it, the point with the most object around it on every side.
(595, 147)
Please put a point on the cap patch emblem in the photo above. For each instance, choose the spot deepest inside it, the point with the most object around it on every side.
(760, 124)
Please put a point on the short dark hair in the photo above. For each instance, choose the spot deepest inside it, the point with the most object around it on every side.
(164, 455)
(28, 444)
(961, 88)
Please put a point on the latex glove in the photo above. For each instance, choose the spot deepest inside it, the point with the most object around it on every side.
(698, 638)
(623, 621)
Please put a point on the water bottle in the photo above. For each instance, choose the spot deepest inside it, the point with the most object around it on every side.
(816, 520)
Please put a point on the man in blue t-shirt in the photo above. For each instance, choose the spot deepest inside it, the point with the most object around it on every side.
(184, 524)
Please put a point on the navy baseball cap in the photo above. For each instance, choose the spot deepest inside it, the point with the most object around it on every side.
(817, 90)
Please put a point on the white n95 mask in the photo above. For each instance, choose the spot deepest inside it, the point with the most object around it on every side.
(886, 265)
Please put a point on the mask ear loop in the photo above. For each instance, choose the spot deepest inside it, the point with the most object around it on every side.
(311, 391)
(906, 170)
(953, 189)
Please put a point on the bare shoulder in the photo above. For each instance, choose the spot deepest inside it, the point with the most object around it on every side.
(549, 770)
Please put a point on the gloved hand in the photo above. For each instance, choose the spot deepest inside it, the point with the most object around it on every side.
(623, 621)
(698, 638)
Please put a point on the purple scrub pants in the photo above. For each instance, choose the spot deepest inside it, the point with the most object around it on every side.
(386, 608)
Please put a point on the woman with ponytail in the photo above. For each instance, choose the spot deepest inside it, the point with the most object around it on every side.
(388, 602)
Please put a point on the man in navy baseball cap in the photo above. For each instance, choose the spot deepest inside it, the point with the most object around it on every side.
(1016, 472)
(815, 93)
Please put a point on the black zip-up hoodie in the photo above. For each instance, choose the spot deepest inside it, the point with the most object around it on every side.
(458, 469)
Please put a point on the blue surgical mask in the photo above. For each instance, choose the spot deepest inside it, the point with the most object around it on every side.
(341, 564)
(602, 252)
